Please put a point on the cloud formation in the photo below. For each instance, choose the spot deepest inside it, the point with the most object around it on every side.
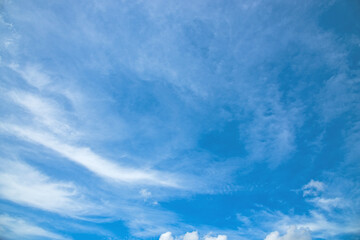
(87, 158)
(313, 188)
(191, 236)
(23, 184)
(293, 233)
(15, 228)
(166, 236)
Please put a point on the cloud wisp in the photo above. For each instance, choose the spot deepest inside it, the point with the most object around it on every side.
(25, 185)
(15, 228)
(91, 161)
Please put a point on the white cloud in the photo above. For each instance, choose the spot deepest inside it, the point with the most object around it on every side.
(87, 158)
(293, 233)
(323, 227)
(22, 184)
(44, 112)
(191, 236)
(32, 74)
(166, 236)
(314, 193)
(313, 188)
(321, 224)
(16, 228)
(328, 203)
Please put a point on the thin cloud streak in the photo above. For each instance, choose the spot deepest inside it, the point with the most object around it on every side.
(87, 158)
(17, 228)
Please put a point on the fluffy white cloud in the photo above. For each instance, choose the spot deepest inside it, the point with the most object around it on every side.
(191, 236)
(166, 236)
(293, 233)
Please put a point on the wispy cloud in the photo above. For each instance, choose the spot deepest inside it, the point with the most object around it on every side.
(331, 214)
(23, 184)
(17, 228)
(32, 75)
(313, 188)
(44, 112)
(87, 158)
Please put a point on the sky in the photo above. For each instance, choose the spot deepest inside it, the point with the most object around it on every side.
(180, 120)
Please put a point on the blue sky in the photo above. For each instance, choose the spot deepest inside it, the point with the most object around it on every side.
(180, 120)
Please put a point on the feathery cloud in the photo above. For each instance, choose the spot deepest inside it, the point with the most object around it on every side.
(17, 228)
(24, 185)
